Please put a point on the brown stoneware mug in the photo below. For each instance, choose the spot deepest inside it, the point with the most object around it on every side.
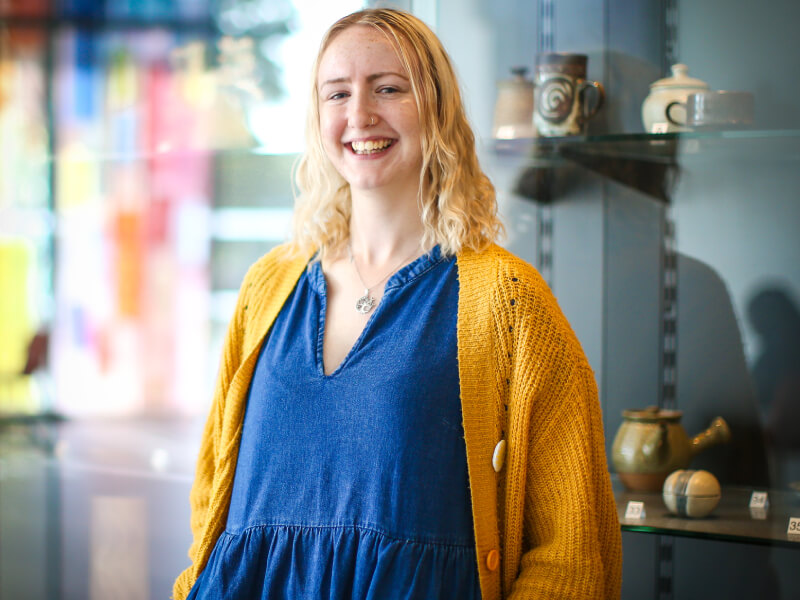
(564, 99)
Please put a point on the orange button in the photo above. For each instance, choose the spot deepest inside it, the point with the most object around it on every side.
(493, 560)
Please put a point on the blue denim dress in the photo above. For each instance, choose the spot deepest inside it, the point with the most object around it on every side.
(353, 485)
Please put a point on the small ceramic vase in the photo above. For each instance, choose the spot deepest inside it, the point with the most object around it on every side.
(513, 111)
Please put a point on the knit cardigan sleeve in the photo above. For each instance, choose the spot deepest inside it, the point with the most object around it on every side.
(571, 542)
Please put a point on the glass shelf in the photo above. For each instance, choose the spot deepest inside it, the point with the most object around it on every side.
(646, 162)
(650, 146)
(731, 521)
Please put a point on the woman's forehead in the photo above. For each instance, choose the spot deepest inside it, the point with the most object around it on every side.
(359, 48)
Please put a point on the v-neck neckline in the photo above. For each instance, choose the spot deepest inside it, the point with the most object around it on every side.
(404, 276)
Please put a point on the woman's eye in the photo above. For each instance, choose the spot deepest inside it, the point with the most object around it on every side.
(388, 90)
(337, 96)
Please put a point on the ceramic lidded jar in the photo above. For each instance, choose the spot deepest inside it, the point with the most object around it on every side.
(690, 493)
(675, 88)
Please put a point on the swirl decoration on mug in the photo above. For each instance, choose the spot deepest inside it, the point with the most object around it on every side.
(556, 96)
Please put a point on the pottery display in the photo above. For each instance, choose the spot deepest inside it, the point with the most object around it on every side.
(513, 110)
(690, 493)
(651, 443)
(675, 88)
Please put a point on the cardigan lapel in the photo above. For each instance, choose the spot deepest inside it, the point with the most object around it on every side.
(267, 291)
(475, 365)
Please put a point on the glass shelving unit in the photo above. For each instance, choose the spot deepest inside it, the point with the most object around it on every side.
(731, 521)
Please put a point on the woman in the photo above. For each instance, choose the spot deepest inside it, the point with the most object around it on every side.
(402, 411)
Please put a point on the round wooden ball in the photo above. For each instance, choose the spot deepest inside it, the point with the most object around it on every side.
(689, 493)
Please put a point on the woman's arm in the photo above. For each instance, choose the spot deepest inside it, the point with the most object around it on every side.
(572, 541)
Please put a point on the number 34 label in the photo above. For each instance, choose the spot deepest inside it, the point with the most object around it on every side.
(794, 526)
(759, 500)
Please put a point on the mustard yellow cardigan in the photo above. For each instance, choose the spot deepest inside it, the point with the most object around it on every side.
(546, 522)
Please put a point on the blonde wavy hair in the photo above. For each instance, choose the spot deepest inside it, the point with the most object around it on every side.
(457, 201)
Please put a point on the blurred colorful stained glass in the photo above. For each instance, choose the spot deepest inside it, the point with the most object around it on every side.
(145, 157)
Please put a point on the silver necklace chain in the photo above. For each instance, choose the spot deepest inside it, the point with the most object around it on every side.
(366, 302)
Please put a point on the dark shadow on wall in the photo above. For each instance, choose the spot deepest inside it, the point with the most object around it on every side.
(714, 379)
(776, 372)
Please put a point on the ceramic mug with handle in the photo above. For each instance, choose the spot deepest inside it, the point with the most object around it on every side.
(713, 110)
(564, 99)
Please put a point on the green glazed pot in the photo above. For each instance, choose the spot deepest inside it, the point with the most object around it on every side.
(651, 443)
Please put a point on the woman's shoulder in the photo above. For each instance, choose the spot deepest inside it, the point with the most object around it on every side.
(495, 268)
(516, 295)
(281, 261)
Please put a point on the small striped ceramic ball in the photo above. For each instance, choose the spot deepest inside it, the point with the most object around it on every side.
(689, 493)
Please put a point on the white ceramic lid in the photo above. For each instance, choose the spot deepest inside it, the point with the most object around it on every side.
(679, 79)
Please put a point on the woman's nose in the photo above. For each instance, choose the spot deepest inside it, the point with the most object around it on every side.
(360, 112)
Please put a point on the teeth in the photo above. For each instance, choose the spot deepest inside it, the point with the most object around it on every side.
(370, 147)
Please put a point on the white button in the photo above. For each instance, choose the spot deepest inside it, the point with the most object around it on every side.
(499, 456)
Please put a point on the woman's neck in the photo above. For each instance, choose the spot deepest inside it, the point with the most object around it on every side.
(384, 226)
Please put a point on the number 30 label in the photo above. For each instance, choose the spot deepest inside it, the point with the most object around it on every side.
(794, 526)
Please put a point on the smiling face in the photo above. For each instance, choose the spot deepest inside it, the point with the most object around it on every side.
(369, 121)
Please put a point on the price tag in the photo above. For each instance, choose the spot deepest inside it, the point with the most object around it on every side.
(759, 514)
(759, 500)
(660, 127)
(635, 510)
(794, 526)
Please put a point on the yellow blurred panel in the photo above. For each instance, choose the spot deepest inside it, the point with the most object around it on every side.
(16, 315)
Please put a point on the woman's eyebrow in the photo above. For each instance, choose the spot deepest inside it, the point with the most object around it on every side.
(370, 78)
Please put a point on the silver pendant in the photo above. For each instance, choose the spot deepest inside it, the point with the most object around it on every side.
(366, 303)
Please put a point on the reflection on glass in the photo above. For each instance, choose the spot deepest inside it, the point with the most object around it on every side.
(118, 564)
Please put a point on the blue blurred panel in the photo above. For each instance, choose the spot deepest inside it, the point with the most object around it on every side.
(86, 73)
(80, 8)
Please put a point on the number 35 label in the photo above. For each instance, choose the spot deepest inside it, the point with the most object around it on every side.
(794, 526)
